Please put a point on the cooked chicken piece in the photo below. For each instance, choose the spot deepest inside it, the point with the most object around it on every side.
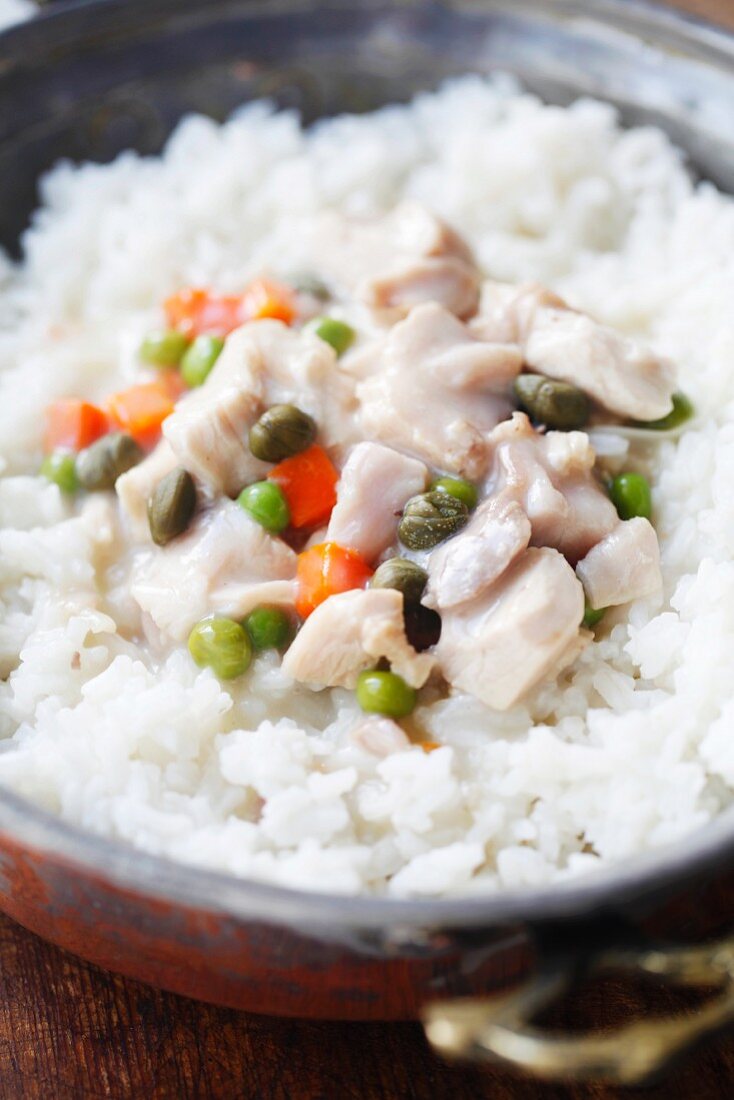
(620, 373)
(349, 633)
(225, 564)
(613, 369)
(622, 567)
(507, 311)
(391, 261)
(136, 486)
(448, 280)
(380, 736)
(524, 629)
(436, 390)
(551, 477)
(263, 363)
(461, 568)
(375, 484)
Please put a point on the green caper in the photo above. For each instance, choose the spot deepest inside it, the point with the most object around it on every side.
(280, 432)
(307, 283)
(403, 575)
(171, 506)
(558, 405)
(430, 518)
(99, 466)
(422, 626)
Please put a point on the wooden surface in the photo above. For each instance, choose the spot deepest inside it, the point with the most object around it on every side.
(716, 11)
(71, 1032)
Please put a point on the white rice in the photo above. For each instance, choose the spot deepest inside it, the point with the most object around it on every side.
(632, 749)
(15, 11)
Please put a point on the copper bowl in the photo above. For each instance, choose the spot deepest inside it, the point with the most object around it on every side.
(95, 77)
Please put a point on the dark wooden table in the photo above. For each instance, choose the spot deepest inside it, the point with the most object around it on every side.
(71, 1032)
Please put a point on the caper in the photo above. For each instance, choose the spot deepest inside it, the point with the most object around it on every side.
(403, 575)
(99, 466)
(558, 405)
(422, 626)
(280, 432)
(307, 283)
(430, 518)
(171, 506)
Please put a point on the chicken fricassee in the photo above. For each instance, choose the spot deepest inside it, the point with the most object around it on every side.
(383, 469)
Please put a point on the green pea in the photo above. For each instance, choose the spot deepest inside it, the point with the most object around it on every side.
(269, 628)
(682, 410)
(163, 348)
(385, 693)
(337, 333)
(200, 358)
(592, 617)
(457, 487)
(265, 502)
(631, 496)
(223, 646)
(60, 468)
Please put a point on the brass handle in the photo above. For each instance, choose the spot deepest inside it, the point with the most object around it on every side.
(501, 1029)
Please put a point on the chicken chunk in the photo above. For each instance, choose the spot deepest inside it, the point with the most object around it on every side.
(551, 477)
(380, 736)
(349, 633)
(225, 564)
(619, 373)
(391, 262)
(263, 363)
(524, 629)
(375, 484)
(436, 391)
(463, 567)
(507, 311)
(616, 371)
(623, 567)
(136, 486)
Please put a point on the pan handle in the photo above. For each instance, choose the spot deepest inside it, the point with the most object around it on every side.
(501, 1029)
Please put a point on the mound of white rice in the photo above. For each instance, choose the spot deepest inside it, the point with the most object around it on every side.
(632, 749)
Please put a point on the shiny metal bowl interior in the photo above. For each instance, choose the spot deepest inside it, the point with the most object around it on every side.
(103, 75)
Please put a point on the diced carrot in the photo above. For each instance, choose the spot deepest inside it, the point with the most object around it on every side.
(73, 425)
(142, 409)
(308, 481)
(324, 570)
(266, 298)
(195, 311)
(430, 746)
